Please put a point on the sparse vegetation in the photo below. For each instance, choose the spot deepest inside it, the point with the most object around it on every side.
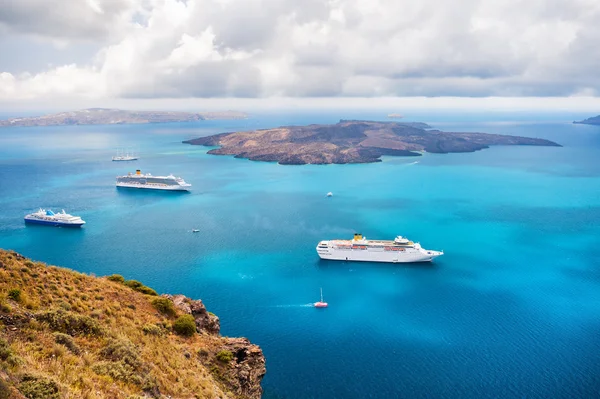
(164, 306)
(14, 294)
(67, 341)
(185, 325)
(153, 329)
(67, 322)
(136, 285)
(224, 356)
(117, 278)
(34, 387)
(4, 390)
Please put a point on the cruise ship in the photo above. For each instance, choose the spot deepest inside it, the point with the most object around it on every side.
(398, 250)
(46, 216)
(147, 181)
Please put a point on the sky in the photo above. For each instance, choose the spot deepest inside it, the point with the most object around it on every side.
(243, 53)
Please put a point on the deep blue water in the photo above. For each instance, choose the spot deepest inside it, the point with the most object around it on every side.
(510, 311)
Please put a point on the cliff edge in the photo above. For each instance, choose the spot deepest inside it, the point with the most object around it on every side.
(65, 334)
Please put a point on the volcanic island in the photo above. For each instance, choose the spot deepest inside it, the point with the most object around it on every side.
(351, 141)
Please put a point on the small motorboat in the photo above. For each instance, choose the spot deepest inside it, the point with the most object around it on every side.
(320, 304)
(195, 231)
(330, 194)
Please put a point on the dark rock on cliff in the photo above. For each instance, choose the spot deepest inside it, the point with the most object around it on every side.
(245, 370)
(351, 141)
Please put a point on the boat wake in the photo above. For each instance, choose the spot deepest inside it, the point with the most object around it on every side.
(307, 305)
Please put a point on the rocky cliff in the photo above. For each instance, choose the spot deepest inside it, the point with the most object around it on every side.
(65, 334)
(351, 142)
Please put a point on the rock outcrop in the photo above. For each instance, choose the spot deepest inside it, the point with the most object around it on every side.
(206, 322)
(246, 369)
(351, 141)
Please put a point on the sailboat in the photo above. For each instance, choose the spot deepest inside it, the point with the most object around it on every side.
(320, 304)
(124, 157)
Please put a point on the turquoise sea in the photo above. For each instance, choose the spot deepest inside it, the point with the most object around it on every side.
(510, 311)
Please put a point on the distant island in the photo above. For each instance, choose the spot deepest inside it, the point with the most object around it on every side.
(351, 141)
(595, 120)
(107, 116)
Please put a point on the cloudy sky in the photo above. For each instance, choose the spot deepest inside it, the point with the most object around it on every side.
(104, 51)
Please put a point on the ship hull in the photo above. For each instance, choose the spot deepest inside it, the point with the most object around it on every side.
(154, 187)
(356, 255)
(53, 223)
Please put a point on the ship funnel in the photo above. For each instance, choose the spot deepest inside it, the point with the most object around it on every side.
(358, 236)
(138, 172)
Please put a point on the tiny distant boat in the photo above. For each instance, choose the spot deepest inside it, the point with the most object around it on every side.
(320, 304)
(398, 250)
(46, 216)
(147, 181)
(195, 231)
(125, 157)
(330, 194)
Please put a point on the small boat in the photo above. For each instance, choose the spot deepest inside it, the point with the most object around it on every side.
(320, 304)
(330, 194)
(195, 231)
(46, 216)
(125, 156)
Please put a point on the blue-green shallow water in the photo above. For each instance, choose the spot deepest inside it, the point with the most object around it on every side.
(510, 311)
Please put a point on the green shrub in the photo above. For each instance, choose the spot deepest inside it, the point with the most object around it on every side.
(5, 351)
(15, 294)
(185, 325)
(70, 323)
(117, 278)
(33, 387)
(67, 341)
(137, 286)
(164, 306)
(7, 355)
(118, 371)
(122, 350)
(152, 329)
(224, 356)
(4, 390)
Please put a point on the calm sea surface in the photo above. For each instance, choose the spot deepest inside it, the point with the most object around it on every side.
(512, 310)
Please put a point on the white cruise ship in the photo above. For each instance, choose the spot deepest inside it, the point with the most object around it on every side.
(399, 250)
(147, 181)
(48, 217)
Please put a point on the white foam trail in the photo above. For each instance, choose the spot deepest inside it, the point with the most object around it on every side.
(307, 305)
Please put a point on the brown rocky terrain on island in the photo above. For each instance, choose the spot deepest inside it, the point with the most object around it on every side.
(351, 142)
(107, 116)
(65, 334)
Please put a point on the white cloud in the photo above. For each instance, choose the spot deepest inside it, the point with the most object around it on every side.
(312, 48)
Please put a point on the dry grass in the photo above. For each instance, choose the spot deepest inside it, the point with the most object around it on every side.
(92, 338)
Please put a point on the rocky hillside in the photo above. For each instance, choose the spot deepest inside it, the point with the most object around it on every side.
(65, 334)
(351, 142)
